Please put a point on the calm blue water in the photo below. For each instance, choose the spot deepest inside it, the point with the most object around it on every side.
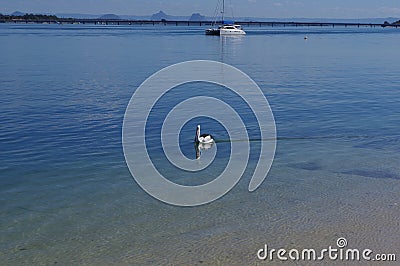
(67, 195)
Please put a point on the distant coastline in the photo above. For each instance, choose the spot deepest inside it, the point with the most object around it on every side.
(30, 17)
(162, 16)
(112, 20)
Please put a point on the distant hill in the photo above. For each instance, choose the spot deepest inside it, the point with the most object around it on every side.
(17, 14)
(197, 17)
(109, 16)
(160, 16)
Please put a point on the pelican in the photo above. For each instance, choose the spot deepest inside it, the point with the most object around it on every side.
(203, 138)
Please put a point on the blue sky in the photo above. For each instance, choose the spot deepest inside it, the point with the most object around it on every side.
(241, 8)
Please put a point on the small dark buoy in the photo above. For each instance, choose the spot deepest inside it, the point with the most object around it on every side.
(305, 37)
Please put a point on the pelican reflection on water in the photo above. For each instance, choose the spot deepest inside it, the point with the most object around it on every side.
(199, 147)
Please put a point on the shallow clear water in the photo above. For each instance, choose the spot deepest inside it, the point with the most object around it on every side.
(68, 196)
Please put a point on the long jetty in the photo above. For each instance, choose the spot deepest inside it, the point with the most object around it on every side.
(200, 23)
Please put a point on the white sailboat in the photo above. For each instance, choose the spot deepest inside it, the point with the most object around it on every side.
(225, 28)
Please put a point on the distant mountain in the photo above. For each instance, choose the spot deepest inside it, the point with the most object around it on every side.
(94, 16)
(197, 17)
(160, 16)
(17, 14)
(109, 16)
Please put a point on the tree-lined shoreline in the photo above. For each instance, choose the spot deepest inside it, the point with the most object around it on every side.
(29, 17)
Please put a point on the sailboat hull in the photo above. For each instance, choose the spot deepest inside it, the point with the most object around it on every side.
(226, 30)
(231, 32)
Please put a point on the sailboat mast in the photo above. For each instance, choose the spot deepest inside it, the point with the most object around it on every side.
(223, 10)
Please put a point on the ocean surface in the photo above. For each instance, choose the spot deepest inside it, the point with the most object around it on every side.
(68, 197)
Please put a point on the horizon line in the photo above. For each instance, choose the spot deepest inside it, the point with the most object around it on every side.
(149, 15)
